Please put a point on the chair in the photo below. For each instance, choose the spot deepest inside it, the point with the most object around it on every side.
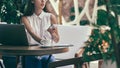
(1, 62)
(77, 61)
(72, 35)
(79, 54)
(75, 35)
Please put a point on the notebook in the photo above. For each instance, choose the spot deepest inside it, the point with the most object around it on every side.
(13, 34)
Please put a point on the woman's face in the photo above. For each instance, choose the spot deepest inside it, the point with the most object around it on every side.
(39, 4)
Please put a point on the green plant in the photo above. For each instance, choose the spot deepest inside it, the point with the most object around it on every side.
(12, 10)
(105, 37)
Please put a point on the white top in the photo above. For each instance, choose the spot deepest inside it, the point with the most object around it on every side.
(40, 24)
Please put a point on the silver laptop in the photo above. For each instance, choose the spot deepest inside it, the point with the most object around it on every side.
(12, 34)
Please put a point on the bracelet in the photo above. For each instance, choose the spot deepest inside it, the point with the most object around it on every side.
(43, 42)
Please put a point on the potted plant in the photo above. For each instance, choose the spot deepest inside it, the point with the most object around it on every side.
(105, 37)
(12, 10)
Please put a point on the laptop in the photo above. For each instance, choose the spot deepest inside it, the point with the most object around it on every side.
(13, 34)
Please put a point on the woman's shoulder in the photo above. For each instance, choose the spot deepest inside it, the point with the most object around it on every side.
(52, 16)
(23, 18)
(47, 13)
(30, 18)
(26, 18)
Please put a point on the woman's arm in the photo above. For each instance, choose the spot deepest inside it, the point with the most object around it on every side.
(25, 21)
(54, 31)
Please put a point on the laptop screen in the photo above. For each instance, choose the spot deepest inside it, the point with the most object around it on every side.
(12, 34)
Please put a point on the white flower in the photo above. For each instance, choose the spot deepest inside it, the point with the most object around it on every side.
(19, 13)
(104, 27)
(3, 9)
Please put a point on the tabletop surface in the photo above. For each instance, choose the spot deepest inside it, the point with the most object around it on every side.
(31, 50)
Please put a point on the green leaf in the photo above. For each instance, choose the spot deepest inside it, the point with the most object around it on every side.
(116, 9)
(102, 17)
(115, 2)
(100, 2)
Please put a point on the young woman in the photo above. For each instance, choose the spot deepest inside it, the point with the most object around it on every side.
(39, 31)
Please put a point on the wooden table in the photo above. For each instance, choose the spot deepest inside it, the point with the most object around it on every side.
(30, 50)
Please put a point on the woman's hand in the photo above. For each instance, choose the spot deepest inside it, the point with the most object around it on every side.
(53, 32)
(51, 29)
